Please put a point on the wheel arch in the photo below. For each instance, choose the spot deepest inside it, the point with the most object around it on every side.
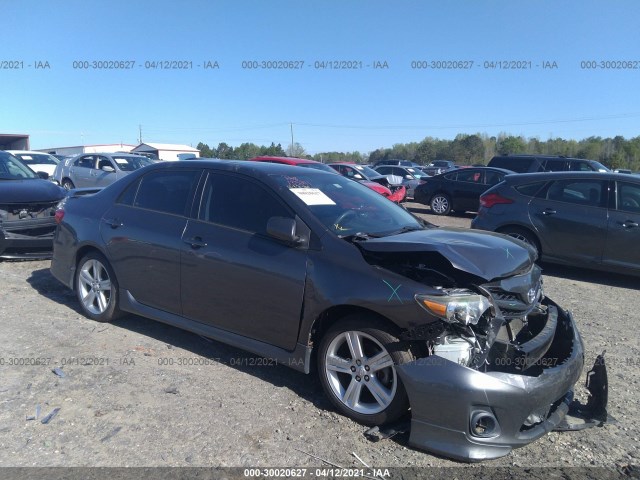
(336, 313)
(526, 228)
(84, 250)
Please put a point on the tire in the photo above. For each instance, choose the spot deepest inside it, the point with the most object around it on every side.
(440, 204)
(67, 184)
(371, 397)
(524, 235)
(97, 288)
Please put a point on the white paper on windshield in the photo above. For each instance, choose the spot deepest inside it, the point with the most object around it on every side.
(312, 196)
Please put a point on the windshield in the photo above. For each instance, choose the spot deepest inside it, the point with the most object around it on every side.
(129, 164)
(37, 158)
(11, 168)
(368, 171)
(416, 172)
(346, 207)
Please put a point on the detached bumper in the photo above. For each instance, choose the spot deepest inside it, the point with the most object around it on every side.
(444, 396)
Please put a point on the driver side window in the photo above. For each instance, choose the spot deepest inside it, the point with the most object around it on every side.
(239, 203)
(628, 197)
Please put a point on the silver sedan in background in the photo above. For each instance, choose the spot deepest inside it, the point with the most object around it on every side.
(97, 169)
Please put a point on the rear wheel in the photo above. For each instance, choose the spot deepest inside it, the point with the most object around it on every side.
(67, 184)
(97, 288)
(440, 204)
(356, 363)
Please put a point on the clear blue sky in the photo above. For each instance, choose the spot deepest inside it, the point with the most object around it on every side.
(331, 110)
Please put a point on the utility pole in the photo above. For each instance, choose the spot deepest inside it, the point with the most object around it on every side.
(291, 125)
(139, 133)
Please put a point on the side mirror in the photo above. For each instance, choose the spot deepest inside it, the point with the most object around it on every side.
(43, 175)
(283, 229)
(108, 169)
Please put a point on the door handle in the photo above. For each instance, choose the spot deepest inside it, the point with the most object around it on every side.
(629, 224)
(113, 222)
(195, 242)
(549, 211)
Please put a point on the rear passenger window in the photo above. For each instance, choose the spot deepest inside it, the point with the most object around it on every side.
(470, 176)
(581, 192)
(167, 191)
(85, 162)
(240, 203)
(530, 189)
(580, 166)
(628, 197)
(555, 165)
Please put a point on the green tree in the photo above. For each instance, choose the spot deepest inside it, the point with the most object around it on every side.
(224, 151)
(205, 151)
(510, 145)
(296, 150)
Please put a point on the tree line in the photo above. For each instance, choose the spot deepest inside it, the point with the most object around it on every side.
(616, 152)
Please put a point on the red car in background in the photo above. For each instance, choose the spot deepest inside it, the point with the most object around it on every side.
(372, 179)
(378, 186)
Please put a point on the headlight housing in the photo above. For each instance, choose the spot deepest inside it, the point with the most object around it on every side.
(463, 307)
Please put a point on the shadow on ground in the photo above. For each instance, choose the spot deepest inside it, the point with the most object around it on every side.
(305, 386)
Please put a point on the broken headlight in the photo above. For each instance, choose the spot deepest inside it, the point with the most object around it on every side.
(463, 307)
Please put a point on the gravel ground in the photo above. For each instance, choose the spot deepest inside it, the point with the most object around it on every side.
(139, 393)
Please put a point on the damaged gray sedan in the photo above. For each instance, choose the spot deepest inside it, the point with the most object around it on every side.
(448, 327)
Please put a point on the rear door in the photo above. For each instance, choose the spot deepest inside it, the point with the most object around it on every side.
(234, 276)
(571, 219)
(143, 233)
(467, 189)
(624, 228)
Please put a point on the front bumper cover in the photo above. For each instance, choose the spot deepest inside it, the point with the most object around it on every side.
(443, 396)
(14, 245)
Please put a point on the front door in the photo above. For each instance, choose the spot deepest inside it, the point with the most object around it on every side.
(234, 276)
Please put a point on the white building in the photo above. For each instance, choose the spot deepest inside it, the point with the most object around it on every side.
(105, 147)
(168, 151)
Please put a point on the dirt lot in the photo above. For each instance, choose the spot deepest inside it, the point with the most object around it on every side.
(138, 393)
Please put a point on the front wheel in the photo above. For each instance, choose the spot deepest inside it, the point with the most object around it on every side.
(97, 288)
(356, 363)
(440, 204)
(68, 184)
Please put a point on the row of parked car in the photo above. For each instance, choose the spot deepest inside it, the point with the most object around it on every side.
(602, 208)
(572, 211)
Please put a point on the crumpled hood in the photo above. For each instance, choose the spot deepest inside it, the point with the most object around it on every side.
(29, 191)
(484, 254)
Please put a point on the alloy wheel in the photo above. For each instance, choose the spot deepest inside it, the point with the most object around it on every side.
(360, 372)
(94, 286)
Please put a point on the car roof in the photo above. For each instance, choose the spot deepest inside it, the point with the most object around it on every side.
(256, 169)
(545, 176)
(491, 169)
(285, 160)
(27, 151)
(545, 157)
